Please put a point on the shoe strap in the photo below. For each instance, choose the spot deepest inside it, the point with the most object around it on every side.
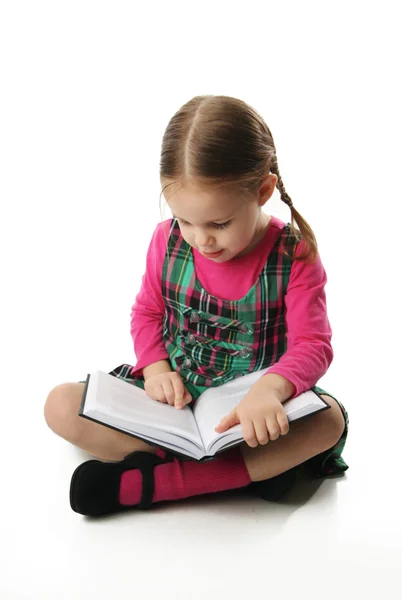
(146, 464)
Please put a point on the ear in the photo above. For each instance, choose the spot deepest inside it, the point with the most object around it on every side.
(267, 188)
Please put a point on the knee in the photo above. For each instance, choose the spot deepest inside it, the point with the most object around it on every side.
(334, 422)
(61, 411)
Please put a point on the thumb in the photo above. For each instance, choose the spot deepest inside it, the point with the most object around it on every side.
(184, 400)
(228, 422)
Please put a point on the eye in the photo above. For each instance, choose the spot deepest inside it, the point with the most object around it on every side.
(216, 225)
(222, 225)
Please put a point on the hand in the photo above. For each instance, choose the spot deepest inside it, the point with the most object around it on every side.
(168, 388)
(260, 414)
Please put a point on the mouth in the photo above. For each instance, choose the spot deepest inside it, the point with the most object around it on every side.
(213, 254)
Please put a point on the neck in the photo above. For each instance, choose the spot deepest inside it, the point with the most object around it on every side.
(260, 230)
(259, 233)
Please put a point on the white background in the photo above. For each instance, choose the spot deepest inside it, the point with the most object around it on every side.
(87, 90)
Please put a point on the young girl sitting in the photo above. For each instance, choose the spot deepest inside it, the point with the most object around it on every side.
(227, 290)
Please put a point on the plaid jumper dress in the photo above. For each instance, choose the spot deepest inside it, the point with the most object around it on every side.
(211, 341)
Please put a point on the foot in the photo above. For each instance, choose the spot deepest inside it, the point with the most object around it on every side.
(95, 485)
(275, 488)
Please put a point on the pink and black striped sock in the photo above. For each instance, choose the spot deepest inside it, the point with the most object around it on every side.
(181, 479)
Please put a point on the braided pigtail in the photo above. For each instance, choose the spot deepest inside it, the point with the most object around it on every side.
(304, 232)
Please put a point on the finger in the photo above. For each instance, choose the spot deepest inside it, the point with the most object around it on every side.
(261, 432)
(273, 428)
(283, 423)
(159, 393)
(248, 432)
(169, 392)
(227, 422)
(150, 391)
(187, 397)
(179, 390)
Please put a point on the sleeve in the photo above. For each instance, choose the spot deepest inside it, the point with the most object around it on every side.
(309, 352)
(148, 309)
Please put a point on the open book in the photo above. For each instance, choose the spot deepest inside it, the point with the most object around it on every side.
(188, 432)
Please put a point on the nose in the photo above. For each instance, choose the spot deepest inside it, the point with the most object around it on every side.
(203, 240)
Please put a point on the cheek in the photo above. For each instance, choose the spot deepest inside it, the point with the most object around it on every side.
(186, 235)
(237, 235)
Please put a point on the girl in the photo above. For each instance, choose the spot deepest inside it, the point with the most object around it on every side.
(227, 290)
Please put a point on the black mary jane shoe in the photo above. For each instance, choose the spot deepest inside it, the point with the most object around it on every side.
(275, 488)
(95, 485)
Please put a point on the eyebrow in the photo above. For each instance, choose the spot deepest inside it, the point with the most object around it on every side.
(209, 222)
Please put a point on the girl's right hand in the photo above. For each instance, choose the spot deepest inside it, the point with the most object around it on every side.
(168, 388)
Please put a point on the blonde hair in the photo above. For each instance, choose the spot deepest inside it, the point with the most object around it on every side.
(215, 141)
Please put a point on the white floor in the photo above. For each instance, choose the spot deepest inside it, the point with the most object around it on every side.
(84, 108)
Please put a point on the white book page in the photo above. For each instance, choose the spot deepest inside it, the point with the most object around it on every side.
(306, 403)
(119, 400)
(217, 402)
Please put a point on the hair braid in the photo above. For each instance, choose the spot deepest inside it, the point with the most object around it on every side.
(304, 232)
(280, 185)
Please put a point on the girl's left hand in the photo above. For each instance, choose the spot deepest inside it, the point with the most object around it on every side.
(260, 414)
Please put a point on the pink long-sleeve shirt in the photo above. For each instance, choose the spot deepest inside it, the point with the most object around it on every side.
(309, 352)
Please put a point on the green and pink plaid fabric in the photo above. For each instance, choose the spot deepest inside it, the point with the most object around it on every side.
(210, 340)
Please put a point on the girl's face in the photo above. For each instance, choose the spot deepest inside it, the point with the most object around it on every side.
(219, 224)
